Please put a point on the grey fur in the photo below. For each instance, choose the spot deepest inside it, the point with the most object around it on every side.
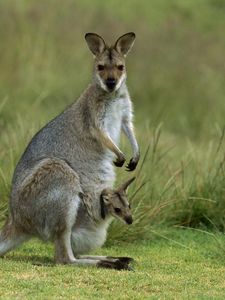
(72, 155)
(51, 208)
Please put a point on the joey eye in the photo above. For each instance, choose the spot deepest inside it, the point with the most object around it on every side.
(120, 67)
(101, 67)
(129, 206)
(117, 210)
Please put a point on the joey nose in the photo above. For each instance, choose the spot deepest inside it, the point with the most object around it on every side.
(129, 220)
(110, 83)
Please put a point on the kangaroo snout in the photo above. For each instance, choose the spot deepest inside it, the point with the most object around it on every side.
(129, 220)
(110, 83)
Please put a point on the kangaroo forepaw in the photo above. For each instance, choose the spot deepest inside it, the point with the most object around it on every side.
(119, 162)
(131, 166)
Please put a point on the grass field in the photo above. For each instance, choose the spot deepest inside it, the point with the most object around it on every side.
(176, 80)
(187, 265)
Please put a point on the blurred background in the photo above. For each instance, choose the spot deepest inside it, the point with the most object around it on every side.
(176, 78)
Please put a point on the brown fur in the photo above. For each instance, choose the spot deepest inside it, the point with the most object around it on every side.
(111, 60)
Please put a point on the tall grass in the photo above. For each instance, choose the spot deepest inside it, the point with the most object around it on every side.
(189, 192)
(175, 76)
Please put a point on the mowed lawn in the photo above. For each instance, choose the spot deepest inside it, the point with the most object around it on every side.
(175, 264)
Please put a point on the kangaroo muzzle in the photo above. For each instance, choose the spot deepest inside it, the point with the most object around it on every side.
(129, 220)
(110, 83)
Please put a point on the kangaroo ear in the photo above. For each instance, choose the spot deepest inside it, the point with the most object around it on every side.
(125, 43)
(104, 201)
(95, 43)
(125, 185)
(105, 195)
(81, 195)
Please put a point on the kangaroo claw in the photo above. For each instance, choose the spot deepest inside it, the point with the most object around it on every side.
(119, 162)
(131, 166)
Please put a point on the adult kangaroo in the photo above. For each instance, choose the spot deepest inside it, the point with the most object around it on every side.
(83, 139)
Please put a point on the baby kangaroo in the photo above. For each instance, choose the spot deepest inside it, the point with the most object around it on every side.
(52, 207)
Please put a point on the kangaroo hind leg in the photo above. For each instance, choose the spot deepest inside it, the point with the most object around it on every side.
(63, 249)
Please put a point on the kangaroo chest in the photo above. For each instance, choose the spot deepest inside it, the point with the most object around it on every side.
(113, 118)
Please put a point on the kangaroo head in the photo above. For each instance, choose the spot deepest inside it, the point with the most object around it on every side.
(116, 203)
(109, 65)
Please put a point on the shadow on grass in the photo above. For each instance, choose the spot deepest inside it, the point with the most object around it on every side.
(32, 259)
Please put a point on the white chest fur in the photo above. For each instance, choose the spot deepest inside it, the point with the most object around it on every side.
(113, 119)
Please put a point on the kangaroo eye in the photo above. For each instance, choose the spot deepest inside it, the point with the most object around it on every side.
(117, 210)
(120, 67)
(101, 67)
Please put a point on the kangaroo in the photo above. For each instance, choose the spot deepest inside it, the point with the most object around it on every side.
(87, 133)
(80, 143)
(52, 207)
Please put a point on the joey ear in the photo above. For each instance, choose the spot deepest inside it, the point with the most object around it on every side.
(95, 43)
(125, 43)
(125, 185)
(105, 195)
(104, 201)
(81, 195)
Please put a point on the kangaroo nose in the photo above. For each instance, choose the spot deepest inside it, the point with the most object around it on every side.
(110, 83)
(129, 220)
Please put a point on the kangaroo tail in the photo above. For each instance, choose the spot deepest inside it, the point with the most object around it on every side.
(11, 237)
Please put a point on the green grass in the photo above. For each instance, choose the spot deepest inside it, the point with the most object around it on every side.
(176, 80)
(186, 265)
